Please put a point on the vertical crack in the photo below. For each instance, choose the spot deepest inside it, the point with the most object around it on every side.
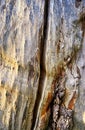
(42, 65)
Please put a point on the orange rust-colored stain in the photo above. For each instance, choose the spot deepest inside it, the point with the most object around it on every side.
(49, 97)
(44, 119)
(45, 108)
(72, 101)
(58, 129)
(60, 70)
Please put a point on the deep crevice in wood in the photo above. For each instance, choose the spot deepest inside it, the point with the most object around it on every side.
(42, 63)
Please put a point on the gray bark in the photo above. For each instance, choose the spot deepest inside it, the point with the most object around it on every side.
(42, 64)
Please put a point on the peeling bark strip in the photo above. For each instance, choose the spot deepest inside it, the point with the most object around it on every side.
(42, 66)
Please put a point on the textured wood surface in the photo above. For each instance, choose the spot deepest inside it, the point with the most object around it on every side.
(42, 64)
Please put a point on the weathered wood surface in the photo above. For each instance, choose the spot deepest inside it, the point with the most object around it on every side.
(42, 64)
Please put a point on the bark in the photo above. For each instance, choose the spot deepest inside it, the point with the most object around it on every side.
(42, 64)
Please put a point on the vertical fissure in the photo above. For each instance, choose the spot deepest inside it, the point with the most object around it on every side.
(42, 65)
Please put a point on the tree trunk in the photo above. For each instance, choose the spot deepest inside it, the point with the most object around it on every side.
(42, 65)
